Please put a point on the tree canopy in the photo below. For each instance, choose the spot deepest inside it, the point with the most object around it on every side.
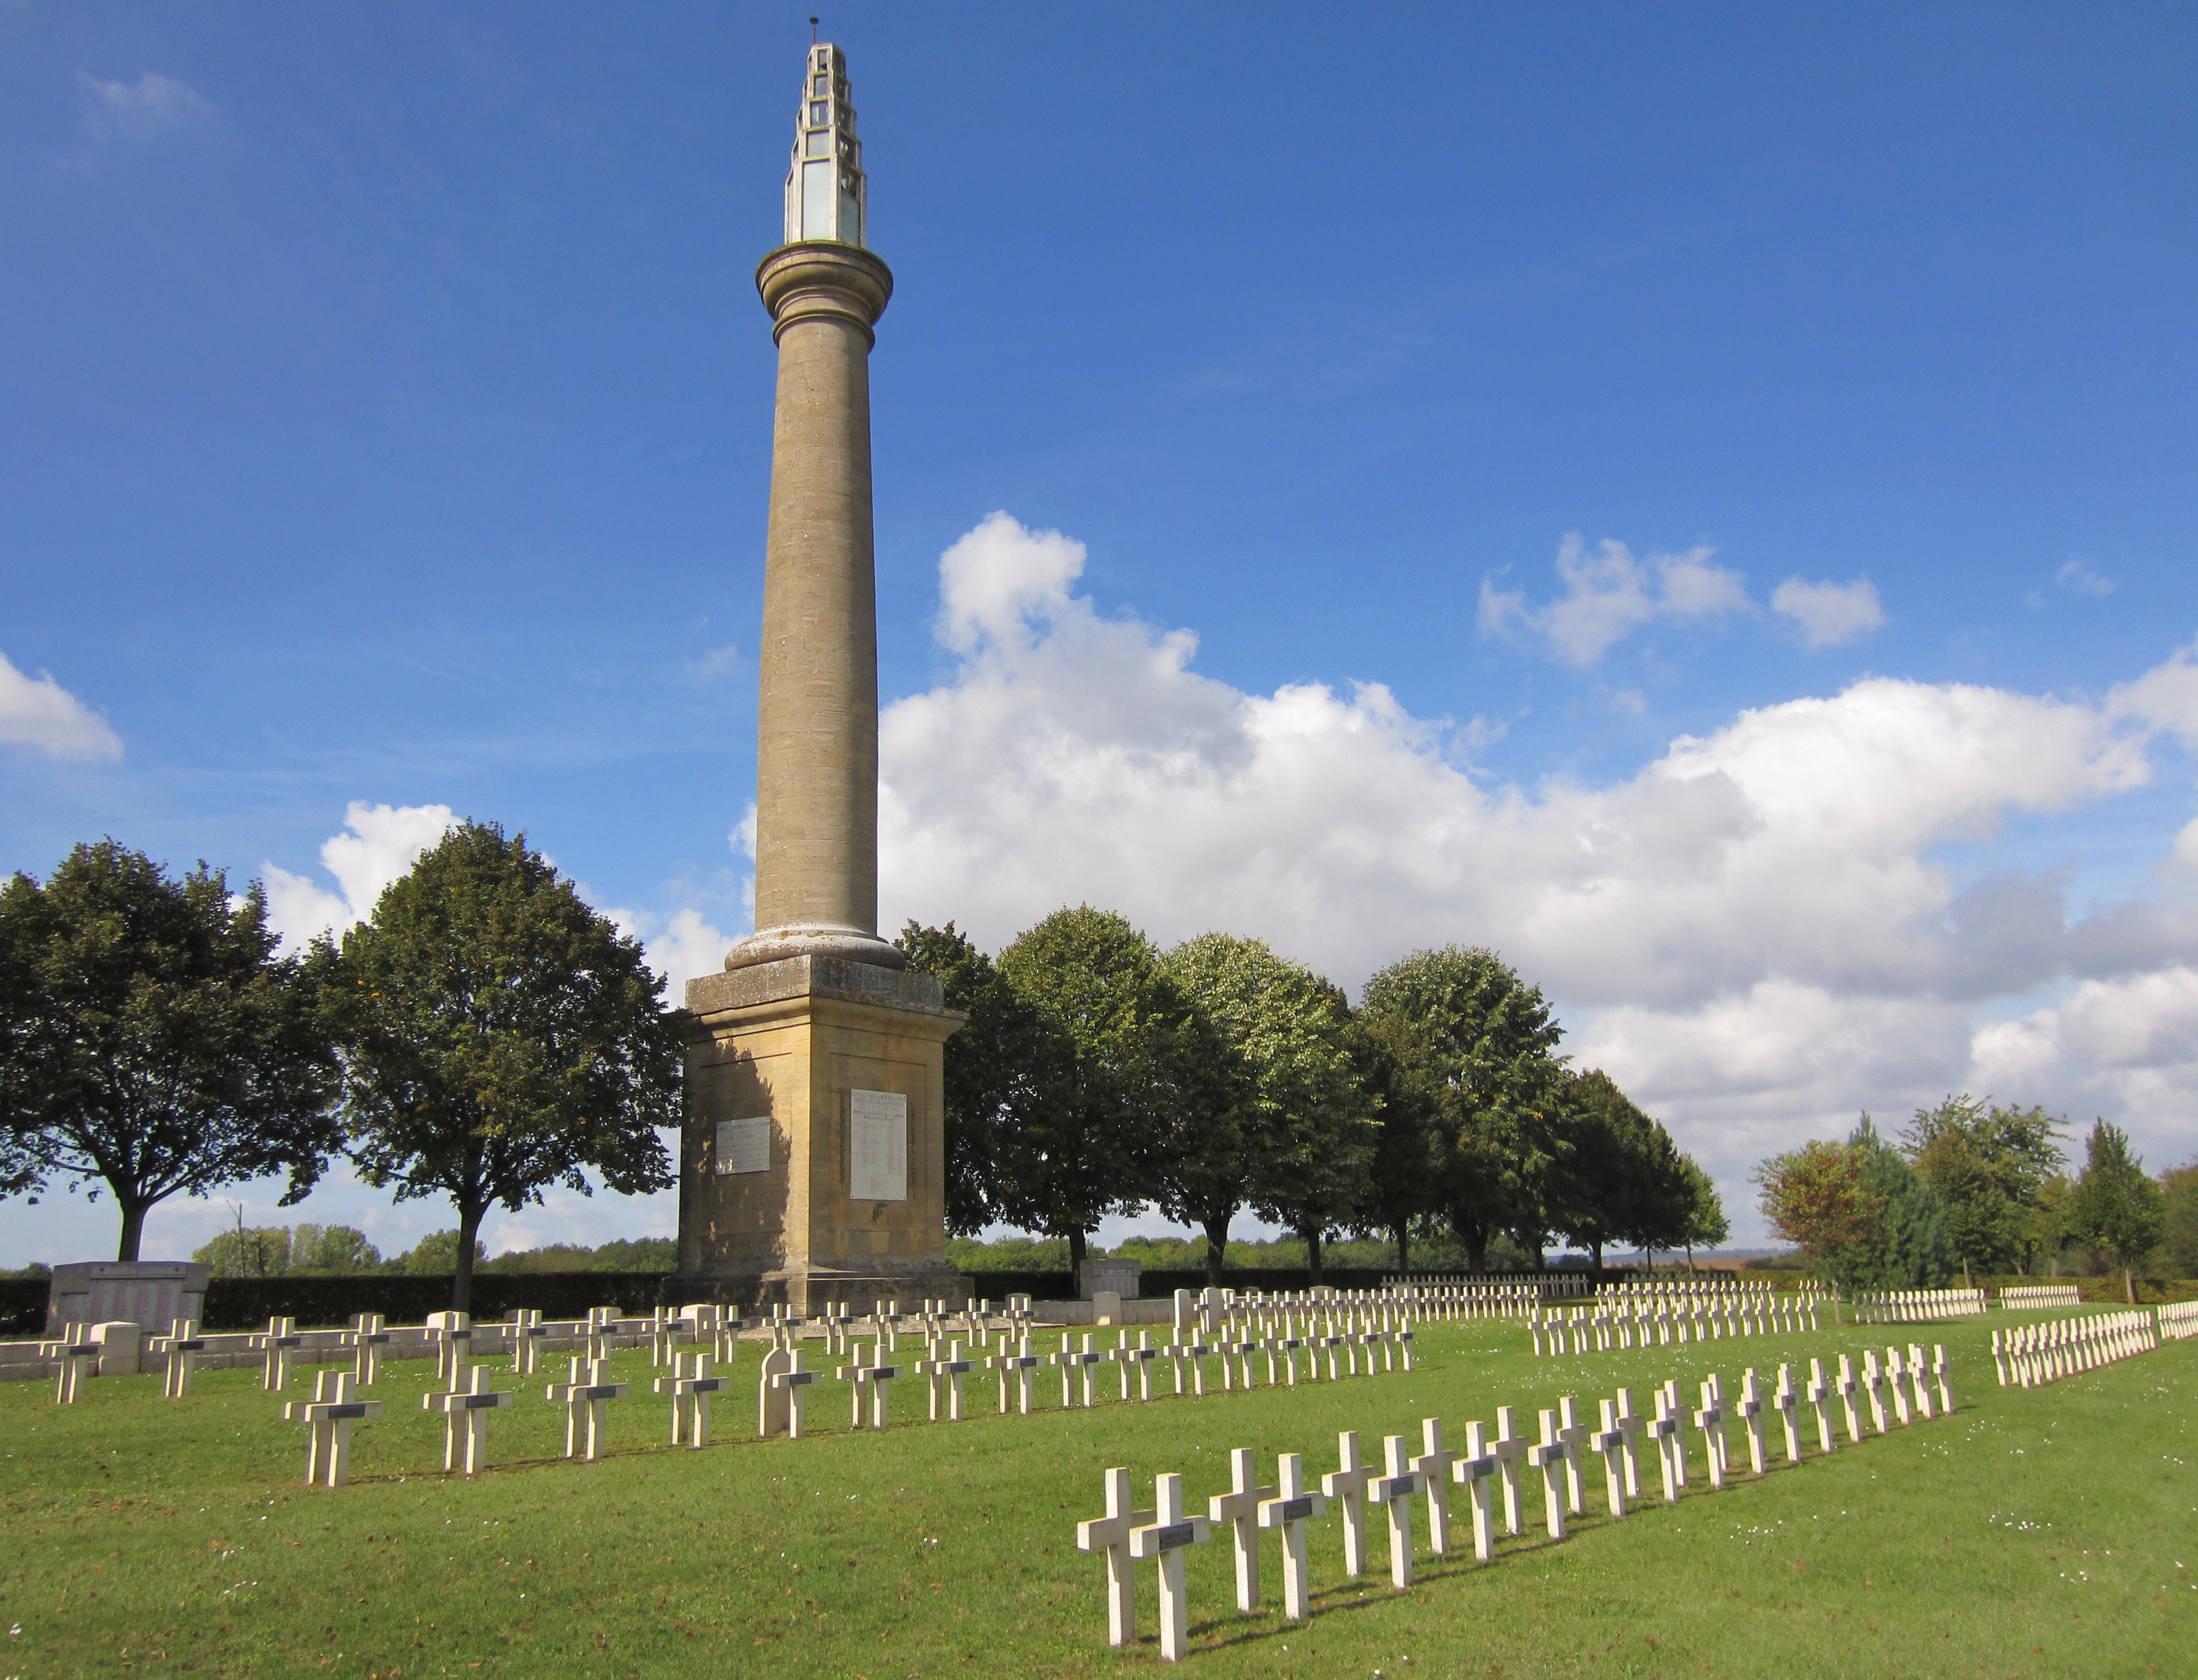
(1092, 1140)
(500, 1038)
(1489, 1041)
(152, 1041)
(1989, 1167)
(2115, 1208)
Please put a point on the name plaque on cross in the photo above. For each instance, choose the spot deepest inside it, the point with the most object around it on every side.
(744, 1146)
(877, 1145)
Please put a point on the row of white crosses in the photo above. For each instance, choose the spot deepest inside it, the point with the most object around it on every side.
(1490, 1468)
(1430, 1286)
(1917, 1306)
(1663, 1323)
(1450, 1301)
(2178, 1321)
(2038, 1297)
(2036, 1354)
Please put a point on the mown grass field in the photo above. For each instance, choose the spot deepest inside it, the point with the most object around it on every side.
(2048, 1532)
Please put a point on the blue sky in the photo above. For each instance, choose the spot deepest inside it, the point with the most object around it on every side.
(384, 422)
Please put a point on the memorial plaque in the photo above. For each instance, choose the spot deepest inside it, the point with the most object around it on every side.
(877, 1145)
(744, 1146)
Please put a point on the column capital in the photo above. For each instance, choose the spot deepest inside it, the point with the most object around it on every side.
(823, 278)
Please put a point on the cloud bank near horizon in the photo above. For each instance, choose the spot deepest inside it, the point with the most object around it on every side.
(1760, 933)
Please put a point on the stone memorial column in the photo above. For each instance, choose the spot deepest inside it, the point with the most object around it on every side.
(813, 1164)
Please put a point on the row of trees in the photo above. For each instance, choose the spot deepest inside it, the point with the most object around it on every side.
(1972, 1187)
(1099, 1075)
(484, 1036)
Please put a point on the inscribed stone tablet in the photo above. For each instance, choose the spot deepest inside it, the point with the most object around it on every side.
(744, 1146)
(877, 1136)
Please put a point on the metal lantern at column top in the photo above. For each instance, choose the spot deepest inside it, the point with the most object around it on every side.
(826, 196)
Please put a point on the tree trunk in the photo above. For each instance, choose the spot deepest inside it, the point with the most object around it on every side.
(1690, 1259)
(1968, 1282)
(2129, 1285)
(1217, 1246)
(133, 1228)
(1404, 1234)
(1076, 1262)
(1476, 1252)
(1313, 1255)
(470, 1216)
(1595, 1256)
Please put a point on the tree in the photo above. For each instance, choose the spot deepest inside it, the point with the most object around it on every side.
(1704, 1223)
(1617, 1177)
(500, 1036)
(996, 1067)
(1988, 1166)
(2116, 1209)
(436, 1255)
(1909, 1248)
(1491, 1042)
(1090, 1145)
(151, 1039)
(247, 1251)
(1396, 1068)
(1819, 1198)
(2179, 1189)
(1279, 1120)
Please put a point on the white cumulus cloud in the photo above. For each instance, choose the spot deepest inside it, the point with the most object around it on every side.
(379, 844)
(1830, 613)
(37, 712)
(1608, 595)
(1758, 932)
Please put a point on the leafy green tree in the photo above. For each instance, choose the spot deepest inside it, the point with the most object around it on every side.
(1987, 1166)
(436, 1255)
(1090, 1144)
(2116, 1210)
(1617, 1177)
(1284, 1125)
(247, 1251)
(500, 1036)
(997, 1067)
(1396, 1067)
(1705, 1224)
(1491, 1041)
(151, 1039)
(2178, 1192)
(332, 1251)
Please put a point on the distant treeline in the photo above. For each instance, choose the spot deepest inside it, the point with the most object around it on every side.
(340, 1251)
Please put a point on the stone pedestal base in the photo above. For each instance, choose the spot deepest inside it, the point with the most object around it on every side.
(791, 1066)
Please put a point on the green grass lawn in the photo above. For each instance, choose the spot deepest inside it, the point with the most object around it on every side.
(2047, 1533)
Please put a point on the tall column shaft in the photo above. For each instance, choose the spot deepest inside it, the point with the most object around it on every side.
(817, 748)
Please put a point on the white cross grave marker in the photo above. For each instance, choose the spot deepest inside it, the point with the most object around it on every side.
(1287, 1513)
(279, 1344)
(1548, 1455)
(465, 1421)
(182, 1344)
(1239, 1508)
(366, 1338)
(1611, 1442)
(586, 1398)
(1164, 1539)
(1433, 1465)
(1110, 1535)
(1347, 1485)
(1475, 1470)
(783, 1393)
(1749, 1410)
(1786, 1401)
(1710, 1420)
(1396, 1491)
(74, 1355)
(335, 1408)
(690, 1386)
